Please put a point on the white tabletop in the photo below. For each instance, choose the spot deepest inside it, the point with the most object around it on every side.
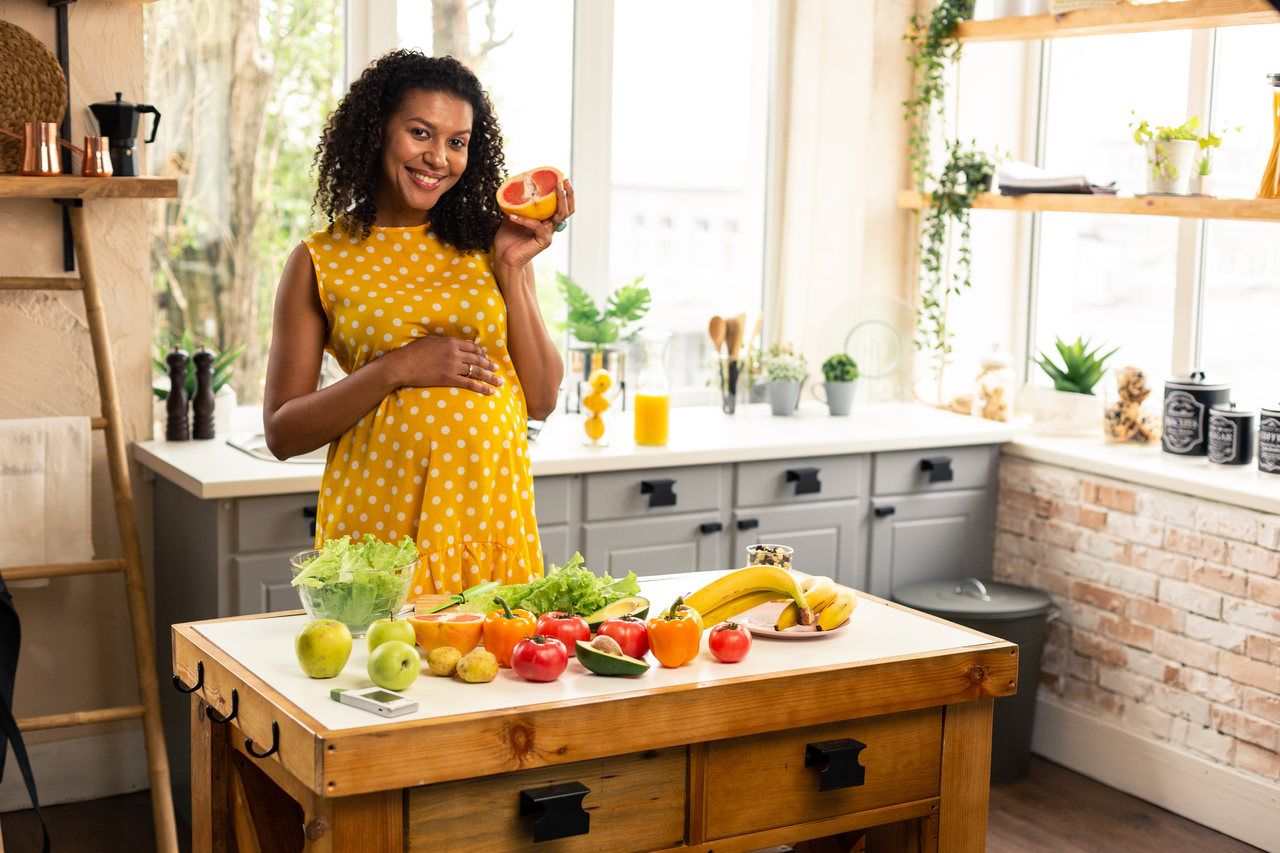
(700, 435)
(265, 647)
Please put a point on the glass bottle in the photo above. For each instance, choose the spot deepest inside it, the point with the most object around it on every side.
(1270, 187)
(653, 392)
(994, 386)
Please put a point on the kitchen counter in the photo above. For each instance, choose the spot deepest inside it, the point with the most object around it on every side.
(699, 435)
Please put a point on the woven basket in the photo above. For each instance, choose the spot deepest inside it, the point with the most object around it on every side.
(32, 88)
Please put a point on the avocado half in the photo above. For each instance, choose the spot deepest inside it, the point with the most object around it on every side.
(632, 605)
(603, 663)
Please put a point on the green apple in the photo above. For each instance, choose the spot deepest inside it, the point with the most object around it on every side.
(394, 665)
(323, 647)
(390, 629)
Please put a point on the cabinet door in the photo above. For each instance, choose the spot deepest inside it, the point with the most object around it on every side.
(654, 546)
(262, 583)
(825, 537)
(929, 537)
(556, 547)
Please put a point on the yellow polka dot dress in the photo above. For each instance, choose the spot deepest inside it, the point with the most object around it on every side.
(447, 466)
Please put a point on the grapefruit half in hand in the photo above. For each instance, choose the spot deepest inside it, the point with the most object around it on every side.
(531, 194)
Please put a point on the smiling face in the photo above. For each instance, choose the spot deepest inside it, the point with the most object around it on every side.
(424, 153)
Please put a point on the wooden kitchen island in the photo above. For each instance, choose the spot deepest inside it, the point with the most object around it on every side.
(891, 715)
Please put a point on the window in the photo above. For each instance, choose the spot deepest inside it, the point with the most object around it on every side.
(662, 129)
(1173, 294)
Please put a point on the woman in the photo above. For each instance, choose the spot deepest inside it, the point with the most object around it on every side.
(423, 291)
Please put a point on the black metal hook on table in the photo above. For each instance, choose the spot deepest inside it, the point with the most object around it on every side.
(235, 709)
(182, 688)
(275, 743)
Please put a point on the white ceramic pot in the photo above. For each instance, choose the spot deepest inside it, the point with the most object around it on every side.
(1203, 184)
(1063, 412)
(1170, 165)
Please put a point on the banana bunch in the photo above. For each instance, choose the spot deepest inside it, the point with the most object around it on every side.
(744, 589)
(831, 605)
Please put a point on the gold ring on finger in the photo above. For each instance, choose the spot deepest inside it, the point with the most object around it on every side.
(469, 366)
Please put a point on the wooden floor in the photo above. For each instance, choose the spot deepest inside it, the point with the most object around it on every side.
(1053, 810)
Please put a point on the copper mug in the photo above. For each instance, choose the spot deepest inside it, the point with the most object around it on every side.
(40, 151)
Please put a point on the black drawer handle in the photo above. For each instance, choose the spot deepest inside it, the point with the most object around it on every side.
(559, 810)
(841, 767)
(310, 512)
(660, 492)
(710, 527)
(938, 468)
(884, 511)
(748, 523)
(806, 480)
(275, 743)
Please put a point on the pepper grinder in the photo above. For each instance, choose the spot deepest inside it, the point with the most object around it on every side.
(202, 403)
(176, 426)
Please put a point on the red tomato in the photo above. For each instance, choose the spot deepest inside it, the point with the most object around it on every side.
(729, 642)
(630, 633)
(565, 627)
(539, 658)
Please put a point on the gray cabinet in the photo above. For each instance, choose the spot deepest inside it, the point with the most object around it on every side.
(655, 520)
(931, 516)
(557, 503)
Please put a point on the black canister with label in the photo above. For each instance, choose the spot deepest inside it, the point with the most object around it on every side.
(1269, 441)
(1231, 435)
(1187, 401)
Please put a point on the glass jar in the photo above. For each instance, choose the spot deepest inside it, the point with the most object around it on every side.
(993, 387)
(653, 392)
(597, 395)
(1270, 187)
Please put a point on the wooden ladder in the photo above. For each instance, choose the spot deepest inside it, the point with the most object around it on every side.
(70, 191)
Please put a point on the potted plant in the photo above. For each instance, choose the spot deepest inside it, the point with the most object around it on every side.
(1070, 407)
(786, 372)
(598, 331)
(1171, 155)
(840, 374)
(1202, 181)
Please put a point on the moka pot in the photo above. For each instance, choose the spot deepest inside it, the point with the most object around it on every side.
(118, 121)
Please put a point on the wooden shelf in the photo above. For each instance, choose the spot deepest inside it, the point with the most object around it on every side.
(73, 186)
(1191, 207)
(1110, 20)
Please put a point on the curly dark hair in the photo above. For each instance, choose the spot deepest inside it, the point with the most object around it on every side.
(349, 156)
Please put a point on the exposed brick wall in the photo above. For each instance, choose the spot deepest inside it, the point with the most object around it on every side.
(1170, 608)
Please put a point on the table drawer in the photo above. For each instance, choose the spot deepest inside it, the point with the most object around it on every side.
(763, 782)
(652, 491)
(275, 521)
(936, 469)
(784, 481)
(635, 802)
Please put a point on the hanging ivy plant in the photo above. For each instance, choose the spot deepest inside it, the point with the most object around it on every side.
(936, 47)
(966, 173)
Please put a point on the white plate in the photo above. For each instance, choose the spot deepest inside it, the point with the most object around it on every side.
(760, 621)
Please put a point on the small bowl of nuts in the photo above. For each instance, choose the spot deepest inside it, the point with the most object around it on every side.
(770, 555)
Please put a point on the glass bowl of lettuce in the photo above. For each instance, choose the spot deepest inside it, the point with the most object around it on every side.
(355, 581)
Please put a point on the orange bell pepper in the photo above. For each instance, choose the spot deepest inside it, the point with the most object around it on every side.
(676, 635)
(504, 628)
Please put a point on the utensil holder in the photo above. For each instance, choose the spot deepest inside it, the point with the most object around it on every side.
(729, 371)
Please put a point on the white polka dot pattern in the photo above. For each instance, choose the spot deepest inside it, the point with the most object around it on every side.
(404, 467)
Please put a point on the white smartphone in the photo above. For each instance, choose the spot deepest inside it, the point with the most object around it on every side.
(377, 700)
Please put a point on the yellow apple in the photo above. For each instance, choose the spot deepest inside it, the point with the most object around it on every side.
(323, 647)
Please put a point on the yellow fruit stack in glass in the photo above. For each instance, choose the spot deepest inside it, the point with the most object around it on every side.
(596, 403)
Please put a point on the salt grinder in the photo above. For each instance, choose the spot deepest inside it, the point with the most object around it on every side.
(176, 426)
(202, 403)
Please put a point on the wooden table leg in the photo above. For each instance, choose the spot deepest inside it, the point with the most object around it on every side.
(966, 776)
(360, 822)
(210, 782)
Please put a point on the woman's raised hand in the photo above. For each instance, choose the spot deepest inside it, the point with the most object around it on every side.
(520, 239)
(434, 360)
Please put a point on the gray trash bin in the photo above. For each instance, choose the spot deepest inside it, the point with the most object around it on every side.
(1014, 613)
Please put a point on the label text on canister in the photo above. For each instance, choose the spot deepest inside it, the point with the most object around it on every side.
(1183, 422)
(1269, 444)
(1223, 436)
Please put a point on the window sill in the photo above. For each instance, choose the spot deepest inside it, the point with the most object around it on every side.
(1195, 476)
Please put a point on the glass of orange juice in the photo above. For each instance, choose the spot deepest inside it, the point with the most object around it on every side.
(653, 392)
